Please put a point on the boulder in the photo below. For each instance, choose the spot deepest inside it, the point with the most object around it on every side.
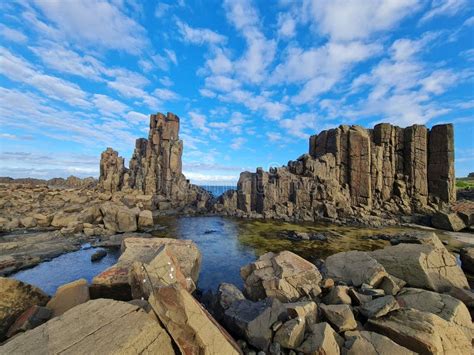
(119, 218)
(114, 282)
(467, 259)
(15, 298)
(444, 306)
(68, 296)
(379, 307)
(43, 220)
(28, 222)
(189, 324)
(422, 266)
(364, 342)
(29, 319)
(448, 221)
(163, 270)
(422, 332)
(63, 219)
(359, 298)
(291, 333)
(338, 295)
(322, 339)
(355, 268)
(391, 285)
(98, 255)
(227, 294)
(96, 327)
(253, 320)
(340, 316)
(306, 310)
(285, 276)
(145, 219)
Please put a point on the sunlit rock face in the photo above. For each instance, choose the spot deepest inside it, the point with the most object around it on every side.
(351, 171)
(155, 168)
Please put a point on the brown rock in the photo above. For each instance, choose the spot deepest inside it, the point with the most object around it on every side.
(448, 221)
(68, 296)
(145, 219)
(340, 316)
(371, 343)
(291, 333)
(285, 276)
(15, 298)
(96, 327)
(322, 339)
(29, 319)
(422, 332)
(191, 327)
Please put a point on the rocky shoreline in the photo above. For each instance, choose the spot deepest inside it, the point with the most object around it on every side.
(407, 298)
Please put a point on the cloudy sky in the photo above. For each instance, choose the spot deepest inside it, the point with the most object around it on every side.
(250, 80)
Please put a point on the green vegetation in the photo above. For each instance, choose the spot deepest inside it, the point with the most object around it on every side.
(465, 183)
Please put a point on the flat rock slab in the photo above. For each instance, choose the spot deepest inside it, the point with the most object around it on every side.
(96, 327)
(191, 326)
(68, 296)
(372, 343)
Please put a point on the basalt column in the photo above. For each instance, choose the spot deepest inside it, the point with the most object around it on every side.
(112, 171)
(441, 181)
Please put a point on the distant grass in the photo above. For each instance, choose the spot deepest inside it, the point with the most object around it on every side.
(465, 183)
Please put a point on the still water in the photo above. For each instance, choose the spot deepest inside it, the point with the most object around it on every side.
(226, 245)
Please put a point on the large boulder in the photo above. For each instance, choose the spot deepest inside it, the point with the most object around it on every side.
(448, 221)
(119, 218)
(422, 332)
(467, 259)
(291, 333)
(227, 294)
(29, 319)
(355, 268)
(68, 296)
(340, 316)
(379, 307)
(285, 276)
(114, 282)
(253, 320)
(192, 328)
(15, 298)
(444, 306)
(424, 266)
(322, 339)
(363, 342)
(96, 327)
(163, 270)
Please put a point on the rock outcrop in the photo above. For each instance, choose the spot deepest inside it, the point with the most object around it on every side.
(352, 171)
(155, 168)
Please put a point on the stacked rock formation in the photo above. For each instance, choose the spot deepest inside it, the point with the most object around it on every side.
(155, 168)
(351, 171)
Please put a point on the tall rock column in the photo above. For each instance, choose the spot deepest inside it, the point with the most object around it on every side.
(360, 165)
(416, 161)
(112, 171)
(441, 179)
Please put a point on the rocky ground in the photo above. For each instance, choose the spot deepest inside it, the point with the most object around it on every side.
(407, 298)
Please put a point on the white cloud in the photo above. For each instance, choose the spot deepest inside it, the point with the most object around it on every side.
(17, 69)
(108, 106)
(199, 35)
(199, 121)
(443, 8)
(166, 81)
(95, 22)
(137, 116)
(233, 125)
(172, 56)
(12, 35)
(165, 94)
(286, 25)
(301, 126)
(354, 19)
(274, 136)
(161, 10)
(237, 143)
(220, 64)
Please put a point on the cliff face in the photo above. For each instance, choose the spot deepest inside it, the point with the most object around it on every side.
(352, 171)
(155, 168)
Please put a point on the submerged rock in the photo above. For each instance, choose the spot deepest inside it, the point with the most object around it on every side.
(98, 255)
(96, 327)
(285, 276)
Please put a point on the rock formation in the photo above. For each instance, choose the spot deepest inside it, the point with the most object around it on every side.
(155, 168)
(353, 171)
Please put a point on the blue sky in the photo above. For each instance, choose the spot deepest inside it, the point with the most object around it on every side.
(250, 80)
